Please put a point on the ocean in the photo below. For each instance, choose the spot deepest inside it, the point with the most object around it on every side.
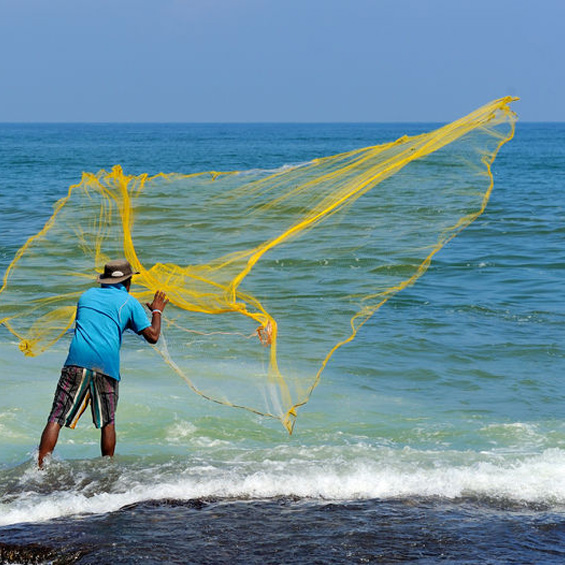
(438, 434)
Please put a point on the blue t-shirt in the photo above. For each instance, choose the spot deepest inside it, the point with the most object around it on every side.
(103, 315)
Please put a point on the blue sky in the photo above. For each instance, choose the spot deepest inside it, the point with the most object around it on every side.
(278, 60)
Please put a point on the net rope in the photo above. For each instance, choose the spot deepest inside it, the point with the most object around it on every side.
(268, 273)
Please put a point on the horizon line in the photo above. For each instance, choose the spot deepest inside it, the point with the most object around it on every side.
(354, 122)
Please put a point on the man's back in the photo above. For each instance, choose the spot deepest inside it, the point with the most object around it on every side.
(103, 314)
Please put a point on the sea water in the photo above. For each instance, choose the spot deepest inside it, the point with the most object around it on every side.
(439, 433)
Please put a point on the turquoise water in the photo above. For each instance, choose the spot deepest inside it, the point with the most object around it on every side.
(451, 393)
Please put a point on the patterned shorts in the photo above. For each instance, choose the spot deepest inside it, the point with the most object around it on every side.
(76, 388)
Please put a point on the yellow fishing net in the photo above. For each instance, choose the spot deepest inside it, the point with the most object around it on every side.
(268, 272)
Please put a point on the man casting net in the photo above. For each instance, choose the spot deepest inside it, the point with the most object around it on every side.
(246, 257)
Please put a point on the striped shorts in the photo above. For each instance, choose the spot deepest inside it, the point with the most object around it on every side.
(76, 388)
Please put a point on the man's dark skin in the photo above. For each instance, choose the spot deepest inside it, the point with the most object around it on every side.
(108, 433)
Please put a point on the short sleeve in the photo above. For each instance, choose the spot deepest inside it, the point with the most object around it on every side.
(138, 320)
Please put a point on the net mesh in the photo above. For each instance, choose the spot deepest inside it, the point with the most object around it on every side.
(268, 272)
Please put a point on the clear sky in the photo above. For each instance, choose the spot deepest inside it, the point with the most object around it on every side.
(278, 60)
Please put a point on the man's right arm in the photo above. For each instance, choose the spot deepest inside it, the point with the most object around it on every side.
(152, 332)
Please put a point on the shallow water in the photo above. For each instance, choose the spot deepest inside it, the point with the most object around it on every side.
(437, 434)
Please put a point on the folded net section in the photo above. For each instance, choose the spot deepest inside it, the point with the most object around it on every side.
(268, 273)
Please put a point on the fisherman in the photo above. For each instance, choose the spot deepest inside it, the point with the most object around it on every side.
(91, 372)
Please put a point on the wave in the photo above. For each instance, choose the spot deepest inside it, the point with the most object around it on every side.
(101, 486)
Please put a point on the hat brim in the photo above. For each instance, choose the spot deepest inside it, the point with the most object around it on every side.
(114, 280)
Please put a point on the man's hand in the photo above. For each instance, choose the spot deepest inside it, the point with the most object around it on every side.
(160, 300)
(152, 333)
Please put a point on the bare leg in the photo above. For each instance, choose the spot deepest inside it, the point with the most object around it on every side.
(108, 440)
(48, 441)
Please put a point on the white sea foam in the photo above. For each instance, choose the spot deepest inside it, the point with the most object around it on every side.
(534, 479)
(281, 169)
(180, 431)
